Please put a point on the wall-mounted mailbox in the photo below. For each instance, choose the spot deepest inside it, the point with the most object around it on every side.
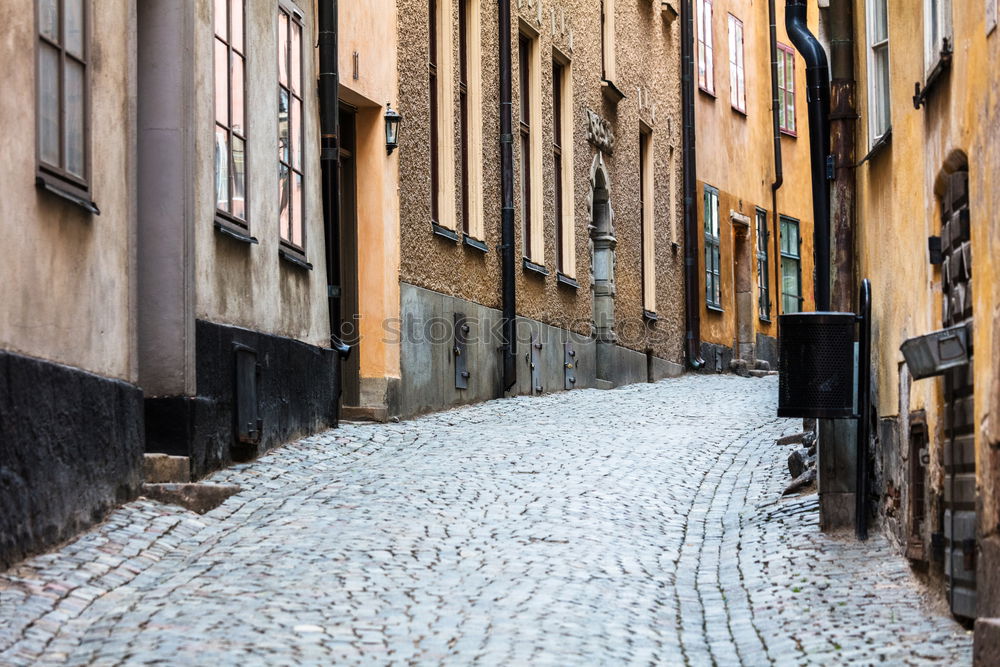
(816, 365)
(934, 353)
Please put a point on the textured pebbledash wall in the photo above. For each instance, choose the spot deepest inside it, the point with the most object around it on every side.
(648, 53)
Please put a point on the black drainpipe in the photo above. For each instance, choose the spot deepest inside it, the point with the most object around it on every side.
(779, 176)
(329, 119)
(818, 95)
(507, 203)
(692, 302)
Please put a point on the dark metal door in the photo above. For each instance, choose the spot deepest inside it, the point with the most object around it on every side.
(959, 450)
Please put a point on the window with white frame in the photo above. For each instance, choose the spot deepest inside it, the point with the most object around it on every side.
(791, 266)
(737, 72)
(706, 71)
(937, 32)
(713, 274)
(786, 88)
(290, 117)
(230, 113)
(879, 118)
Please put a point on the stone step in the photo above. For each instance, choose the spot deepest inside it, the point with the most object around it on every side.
(163, 469)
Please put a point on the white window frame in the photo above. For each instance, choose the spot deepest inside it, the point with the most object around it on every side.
(937, 32)
(878, 99)
(737, 69)
(706, 48)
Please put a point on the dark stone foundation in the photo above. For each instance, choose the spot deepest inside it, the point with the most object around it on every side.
(70, 451)
(296, 393)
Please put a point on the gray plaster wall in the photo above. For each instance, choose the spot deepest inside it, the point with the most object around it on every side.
(428, 361)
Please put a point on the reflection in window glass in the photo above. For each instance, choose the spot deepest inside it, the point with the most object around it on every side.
(290, 193)
(230, 110)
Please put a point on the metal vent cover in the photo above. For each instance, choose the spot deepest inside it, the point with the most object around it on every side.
(816, 365)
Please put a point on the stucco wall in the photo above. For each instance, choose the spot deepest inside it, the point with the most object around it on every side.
(68, 281)
(898, 209)
(648, 55)
(249, 285)
(368, 37)
(735, 154)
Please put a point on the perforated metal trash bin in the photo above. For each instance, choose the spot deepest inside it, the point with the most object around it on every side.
(816, 365)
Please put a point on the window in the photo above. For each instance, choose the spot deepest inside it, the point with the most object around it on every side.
(560, 142)
(290, 129)
(713, 284)
(442, 117)
(786, 88)
(646, 208)
(230, 112)
(737, 73)
(706, 71)
(791, 267)
(878, 70)
(937, 32)
(763, 270)
(63, 114)
(608, 64)
(432, 86)
(530, 113)
(470, 101)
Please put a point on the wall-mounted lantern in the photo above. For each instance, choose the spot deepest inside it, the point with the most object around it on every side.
(392, 119)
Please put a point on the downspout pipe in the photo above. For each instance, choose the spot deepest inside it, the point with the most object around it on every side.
(779, 175)
(507, 241)
(818, 97)
(329, 119)
(692, 301)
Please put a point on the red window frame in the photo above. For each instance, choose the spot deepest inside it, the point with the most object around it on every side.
(706, 48)
(786, 89)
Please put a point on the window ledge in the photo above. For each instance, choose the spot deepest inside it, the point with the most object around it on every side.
(534, 268)
(742, 113)
(71, 194)
(764, 319)
(472, 242)
(233, 231)
(789, 133)
(713, 308)
(444, 232)
(611, 92)
(649, 315)
(878, 147)
(563, 279)
(709, 93)
(942, 65)
(295, 258)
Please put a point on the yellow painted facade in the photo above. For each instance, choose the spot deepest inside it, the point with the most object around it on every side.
(900, 189)
(735, 155)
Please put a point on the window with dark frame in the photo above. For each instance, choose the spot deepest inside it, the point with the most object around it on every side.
(63, 95)
(786, 88)
(713, 280)
(463, 97)
(230, 112)
(706, 69)
(791, 266)
(290, 117)
(737, 71)
(763, 269)
(432, 69)
(558, 74)
(524, 74)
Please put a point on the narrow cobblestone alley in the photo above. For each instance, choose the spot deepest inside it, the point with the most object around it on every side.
(639, 525)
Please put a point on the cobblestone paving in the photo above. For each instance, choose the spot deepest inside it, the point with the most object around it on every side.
(641, 525)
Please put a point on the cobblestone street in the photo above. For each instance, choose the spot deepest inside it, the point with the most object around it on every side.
(638, 525)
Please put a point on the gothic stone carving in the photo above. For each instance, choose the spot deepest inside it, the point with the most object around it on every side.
(599, 133)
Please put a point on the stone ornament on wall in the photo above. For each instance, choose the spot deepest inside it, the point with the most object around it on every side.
(599, 133)
(532, 8)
